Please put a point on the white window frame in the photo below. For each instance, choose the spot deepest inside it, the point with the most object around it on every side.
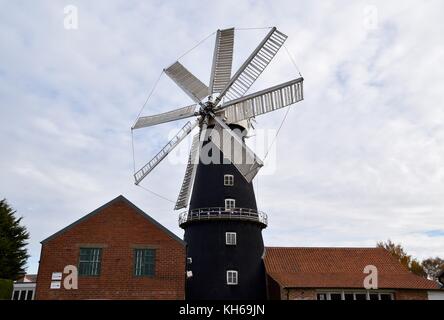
(230, 238)
(228, 203)
(20, 287)
(228, 180)
(26, 290)
(327, 294)
(232, 277)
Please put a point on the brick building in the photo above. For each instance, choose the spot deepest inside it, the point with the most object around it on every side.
(338, 274)
(24, 288)
(120, 252)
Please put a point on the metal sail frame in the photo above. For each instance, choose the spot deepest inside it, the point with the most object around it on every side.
(235, 149)
(146, 169)
(253, 67)
(222, 60)
(263, 101)
(190, 173)
(237, 108)
(173, 115)
(189, 83)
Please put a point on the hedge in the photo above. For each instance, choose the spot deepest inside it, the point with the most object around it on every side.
(6, 288)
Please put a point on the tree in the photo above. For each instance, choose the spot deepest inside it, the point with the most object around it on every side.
(13, 241)
(433, 267)
(406, 260)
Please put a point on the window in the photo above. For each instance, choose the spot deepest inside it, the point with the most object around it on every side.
(374, 296)
(230, 238)
(349, 296)
(29, 295)
(89, 263)
(386, 296)
(322, 296)
(335, 296)
(358, 295)
(228, 180)
(230, 204)
(232, 277)
(23, 294)
(144, 262)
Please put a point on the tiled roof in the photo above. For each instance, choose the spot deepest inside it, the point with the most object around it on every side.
(27, 278)
(108, 204)
(338, 268)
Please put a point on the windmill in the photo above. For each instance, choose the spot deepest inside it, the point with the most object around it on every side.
(222, 224)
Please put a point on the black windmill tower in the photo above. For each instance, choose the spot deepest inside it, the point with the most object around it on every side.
(223, 227)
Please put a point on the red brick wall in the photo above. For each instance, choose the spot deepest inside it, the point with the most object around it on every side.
(118, 228)
(411, 295)
(298, 294)
(273, 289)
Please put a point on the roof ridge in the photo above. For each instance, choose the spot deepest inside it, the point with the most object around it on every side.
(104, 206)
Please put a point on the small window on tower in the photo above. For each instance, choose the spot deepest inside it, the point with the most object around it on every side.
(230, 238)
(230, 204)
(231, 277)
(228, 180)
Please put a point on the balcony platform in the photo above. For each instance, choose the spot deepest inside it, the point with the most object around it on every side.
(216, 213)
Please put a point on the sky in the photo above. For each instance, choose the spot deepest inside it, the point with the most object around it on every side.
(360, 160)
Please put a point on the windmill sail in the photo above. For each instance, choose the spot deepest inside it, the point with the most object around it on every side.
(235, 107)
(173, 115)
(222, 60)
(235, 150)
(192, 86)
(190, 173)
(254, 65)
(263, 101)
(146, 169)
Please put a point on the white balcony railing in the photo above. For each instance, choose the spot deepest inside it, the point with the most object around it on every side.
(223, 214)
